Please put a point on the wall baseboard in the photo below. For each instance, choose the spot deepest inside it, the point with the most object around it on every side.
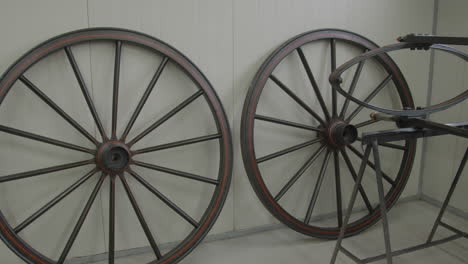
(214, 237)
(450, 209)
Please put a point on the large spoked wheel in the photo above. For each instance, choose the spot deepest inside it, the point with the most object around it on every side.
(113, 157)
(294, 126)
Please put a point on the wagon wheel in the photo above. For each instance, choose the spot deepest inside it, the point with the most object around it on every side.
(290, 178)
(113, 155)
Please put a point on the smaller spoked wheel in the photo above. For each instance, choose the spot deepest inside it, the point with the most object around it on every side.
(301, 140)
(150, 135)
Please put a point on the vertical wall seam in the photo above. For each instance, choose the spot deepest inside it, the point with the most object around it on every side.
(95, 129)
(430, 81)
(233, 113)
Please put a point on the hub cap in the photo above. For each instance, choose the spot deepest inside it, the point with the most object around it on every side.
(340, 134)
(113, 157)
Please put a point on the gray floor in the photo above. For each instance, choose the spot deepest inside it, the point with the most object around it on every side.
(409, 225)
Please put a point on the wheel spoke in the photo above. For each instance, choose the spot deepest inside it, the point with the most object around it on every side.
(85, 91)
(166, 117)
(360, 155)
(144, 98)
(364, 196)
(115, 96)
(21, 133)
(370, 97)
(37, 172)
(389, 145)
(287, 150)
(352, 87)
(339, 206)
(313, 83)
(366, 123)
(54, 201)
(333, 68)
(112, 219)
(57, 109)
(176, 172)
(164, 199)
(81, 220)
(296, 99)
(299, 173)
(141, 218)
(317, 188)
(177, 144)
(286, 123)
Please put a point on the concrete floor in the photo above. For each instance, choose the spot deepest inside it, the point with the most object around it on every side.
(409, 225)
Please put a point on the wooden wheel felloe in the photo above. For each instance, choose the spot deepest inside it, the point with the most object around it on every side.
(289, 144)
(113, 155)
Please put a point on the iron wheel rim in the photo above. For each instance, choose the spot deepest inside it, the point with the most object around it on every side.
(29, 254)
(248, 122)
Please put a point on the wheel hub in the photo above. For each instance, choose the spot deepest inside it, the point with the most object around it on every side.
(340, 133)
(113, 157)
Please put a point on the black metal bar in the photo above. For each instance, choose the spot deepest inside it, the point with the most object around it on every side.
(286, 123)
(453, 229)
(164, 199)
(177, 143)
(81, 220)
(317, 188)
(54, 201)
(299, 173)
(144, 98)
(115, 97)
(339, 206)
(432, 39)
(352, 87)
(57, 109)
(372, 165)
(176, 172)
(383, 204)
(449, 196)
(388, 145)
(85, 92)
(31, 173)
(351, 255)
(412, 249)
(166, 117)
(296, 99)
(394, 146)
(47, 140)
(362, 192)
(288, 150)
(448, 129)
(369, 97)
(333, 68)
(313, 83)
(352, 201)
(112, 220)
(407, 133)
(140, 216)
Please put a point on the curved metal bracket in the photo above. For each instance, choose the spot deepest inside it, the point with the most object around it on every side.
(336, 80)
